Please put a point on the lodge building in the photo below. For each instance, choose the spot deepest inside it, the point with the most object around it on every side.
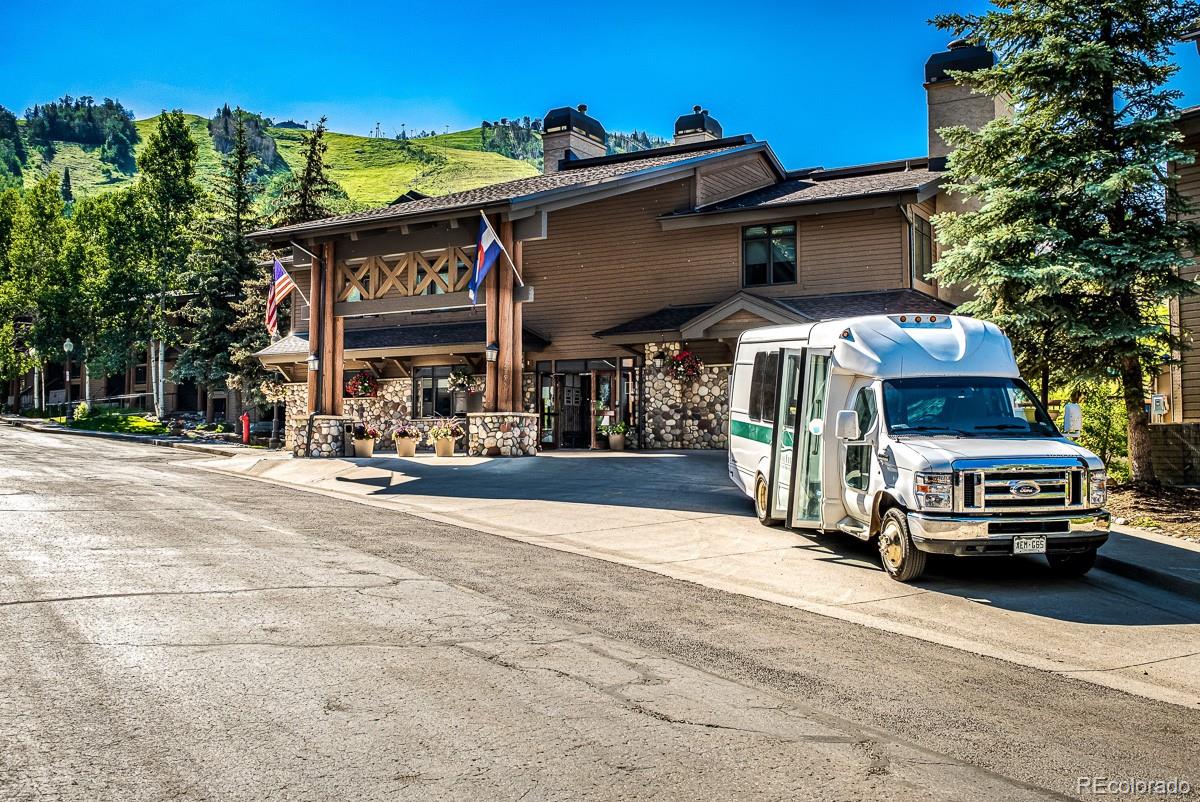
(621, 262)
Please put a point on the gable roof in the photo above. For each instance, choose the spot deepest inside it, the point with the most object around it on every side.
(819, 185)
(469, 332)
(582, 175)
(677, 320)
(856, 304)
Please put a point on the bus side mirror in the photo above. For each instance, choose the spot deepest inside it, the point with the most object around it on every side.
(847, 425)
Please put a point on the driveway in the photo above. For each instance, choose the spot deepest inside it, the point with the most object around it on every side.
(174, 634)
(676, 514)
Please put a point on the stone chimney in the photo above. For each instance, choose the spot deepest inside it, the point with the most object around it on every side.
(570, 134)
(698, 126)
(951, 103)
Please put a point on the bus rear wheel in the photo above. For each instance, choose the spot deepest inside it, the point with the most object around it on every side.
(902, 560)
(762, 498)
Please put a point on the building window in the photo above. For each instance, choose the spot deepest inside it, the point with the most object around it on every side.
(922, 249)
(431, 391)
(768, 255)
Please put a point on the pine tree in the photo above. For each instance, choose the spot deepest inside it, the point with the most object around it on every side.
(65, 188)
(221, 263)
(1077, 241)
(169, 189)
(307, 196)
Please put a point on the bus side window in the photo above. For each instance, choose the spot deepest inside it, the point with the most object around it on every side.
(756, 385)
(770, 379)
(858, 456)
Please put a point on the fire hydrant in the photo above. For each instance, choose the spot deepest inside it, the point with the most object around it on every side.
(245, 427)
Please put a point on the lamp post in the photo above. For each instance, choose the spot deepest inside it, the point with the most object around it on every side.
(68, 347)
(37, 389)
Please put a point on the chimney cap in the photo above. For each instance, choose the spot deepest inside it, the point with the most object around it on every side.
(699, 121)
(574, 119)
(959, 56)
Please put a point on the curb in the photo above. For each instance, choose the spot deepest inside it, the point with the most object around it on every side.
(128, 438)
(1149, 576)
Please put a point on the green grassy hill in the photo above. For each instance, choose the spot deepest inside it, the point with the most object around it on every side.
(372, 171)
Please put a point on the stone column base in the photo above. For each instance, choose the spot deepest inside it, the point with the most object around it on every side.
(332, 436)
(502, 434)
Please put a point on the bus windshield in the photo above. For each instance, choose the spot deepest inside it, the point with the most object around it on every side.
(964, 406)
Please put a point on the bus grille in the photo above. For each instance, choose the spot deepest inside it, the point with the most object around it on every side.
(1025, 490)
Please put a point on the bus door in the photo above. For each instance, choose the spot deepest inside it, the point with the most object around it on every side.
(808, 432)
(787, 395)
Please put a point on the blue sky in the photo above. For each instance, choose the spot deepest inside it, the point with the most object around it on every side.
(824, 83)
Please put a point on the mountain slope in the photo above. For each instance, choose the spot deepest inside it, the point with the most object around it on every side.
(372, 171)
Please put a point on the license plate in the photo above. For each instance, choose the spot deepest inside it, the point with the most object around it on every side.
(1029, 544)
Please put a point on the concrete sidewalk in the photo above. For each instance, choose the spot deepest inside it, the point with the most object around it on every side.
(186, 444)
(676, 514)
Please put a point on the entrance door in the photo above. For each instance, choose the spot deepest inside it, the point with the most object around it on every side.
(548, 401)
(604, 410)
(576, 421)
(809, 438)
(787, 396)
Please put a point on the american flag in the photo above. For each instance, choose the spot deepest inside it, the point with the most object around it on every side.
(281, 286)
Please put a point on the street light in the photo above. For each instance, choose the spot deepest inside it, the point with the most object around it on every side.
(68, 347)
(37, 378)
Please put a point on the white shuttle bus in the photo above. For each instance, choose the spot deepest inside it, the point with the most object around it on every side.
(916, 431)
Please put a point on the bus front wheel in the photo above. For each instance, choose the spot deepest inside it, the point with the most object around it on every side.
(901, 559)
(762, 498)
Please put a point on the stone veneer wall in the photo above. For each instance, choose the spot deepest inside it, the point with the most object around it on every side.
(393, 402)
(330, 436)
(295, 405)
(1175, 453)
(685, 414)
(502, 434)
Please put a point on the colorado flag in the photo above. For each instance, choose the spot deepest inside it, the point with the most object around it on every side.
(486, 250)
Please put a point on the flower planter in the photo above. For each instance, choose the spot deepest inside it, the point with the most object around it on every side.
(444, 447)
(616, 442)
(406, 446)
(364, 448)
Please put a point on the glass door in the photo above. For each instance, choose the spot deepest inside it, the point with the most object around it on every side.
(548, 398)
(604, 413)
(787, 395)
(809, 438)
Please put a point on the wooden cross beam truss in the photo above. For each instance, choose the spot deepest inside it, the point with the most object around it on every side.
(406, 274)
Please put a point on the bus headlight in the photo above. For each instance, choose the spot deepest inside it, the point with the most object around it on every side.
(1097, 487)
(935, 491)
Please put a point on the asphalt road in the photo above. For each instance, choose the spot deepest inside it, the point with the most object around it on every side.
(174, 634)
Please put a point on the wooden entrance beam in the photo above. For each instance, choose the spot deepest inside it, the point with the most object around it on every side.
(314, 338)
(518, 341)
(491, 301)
(504, 361)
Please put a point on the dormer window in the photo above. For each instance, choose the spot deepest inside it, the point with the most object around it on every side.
(769, 255)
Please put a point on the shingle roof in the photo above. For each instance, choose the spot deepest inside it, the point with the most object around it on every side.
(593, 171)
(812, 188)
(813, 307)
(470, 331)
(669, 318)
(853, 304)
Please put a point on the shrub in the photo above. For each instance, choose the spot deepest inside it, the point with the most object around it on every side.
(82, 410)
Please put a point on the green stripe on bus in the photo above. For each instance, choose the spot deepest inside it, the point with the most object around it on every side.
(751, 431)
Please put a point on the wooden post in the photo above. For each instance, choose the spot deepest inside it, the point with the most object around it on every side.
(339, 358)
(504, 383)
(518, 342)
(330, 368)
(314, 329)
(491, 300)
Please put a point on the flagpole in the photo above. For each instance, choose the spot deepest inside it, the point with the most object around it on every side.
(294, 284)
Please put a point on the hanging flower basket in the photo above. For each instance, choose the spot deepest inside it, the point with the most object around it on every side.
(462, 379)
(685, 366)
(362, 385)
